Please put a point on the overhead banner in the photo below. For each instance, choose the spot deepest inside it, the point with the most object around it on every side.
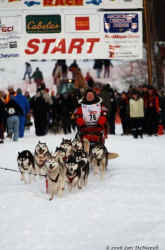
(78, 4)
(113, 35)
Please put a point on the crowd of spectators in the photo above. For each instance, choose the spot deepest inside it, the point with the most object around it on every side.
(140, 109)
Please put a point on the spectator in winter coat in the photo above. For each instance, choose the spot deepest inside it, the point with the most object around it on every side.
(22, 101)
(152, 111)
(40, 105)
(91, 118)
(57, 74)
(89, 80)
(98, 66)
(28, 71)
(123, 109)
(12, 92)
(107, 67)
(64, 68)
(13, 112)
(136, 111)
(109, 100)
(38, 77)
(65, 112)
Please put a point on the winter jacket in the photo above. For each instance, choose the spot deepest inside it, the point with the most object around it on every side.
(136, 108)
(91, 120)
(23, 103)
(13, 108)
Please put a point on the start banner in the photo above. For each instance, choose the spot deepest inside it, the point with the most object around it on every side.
(113, 35)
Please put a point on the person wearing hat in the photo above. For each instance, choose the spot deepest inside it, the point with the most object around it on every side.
(91, 118)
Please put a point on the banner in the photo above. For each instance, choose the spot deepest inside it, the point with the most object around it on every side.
(104, 35)
(81, 35)
(71, 4)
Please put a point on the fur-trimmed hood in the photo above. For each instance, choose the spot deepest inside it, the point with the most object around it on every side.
(96, 100)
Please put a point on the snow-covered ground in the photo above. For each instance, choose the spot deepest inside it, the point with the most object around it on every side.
(124, 211)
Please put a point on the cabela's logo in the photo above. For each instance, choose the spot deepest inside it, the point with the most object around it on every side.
(43, 24)
(63, 3)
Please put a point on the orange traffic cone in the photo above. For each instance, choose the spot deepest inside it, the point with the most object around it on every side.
(160, 129)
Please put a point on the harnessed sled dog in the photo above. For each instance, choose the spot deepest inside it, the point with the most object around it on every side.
(26, 165)
(99, 159)
(41, 155)
(54, 176)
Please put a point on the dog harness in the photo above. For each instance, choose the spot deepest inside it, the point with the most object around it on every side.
(54, 180)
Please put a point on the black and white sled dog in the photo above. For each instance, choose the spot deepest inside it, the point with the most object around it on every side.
(99, 159)
(41, 155)
(54, 176)
(81, 158)
(73, 173)
(77, 145)
(66, 144)
(26, 165)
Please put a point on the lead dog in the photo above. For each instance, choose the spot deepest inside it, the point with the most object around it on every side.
(54, 177)
(26, 165)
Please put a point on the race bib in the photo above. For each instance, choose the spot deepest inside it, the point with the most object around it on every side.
(11, 111)
(91, 113)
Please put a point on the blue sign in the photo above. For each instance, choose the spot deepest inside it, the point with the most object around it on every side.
(120, 23)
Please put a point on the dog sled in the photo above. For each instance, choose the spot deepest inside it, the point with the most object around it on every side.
(88, 145)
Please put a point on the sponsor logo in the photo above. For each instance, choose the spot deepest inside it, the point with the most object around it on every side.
(13, 44)
(53, 46)
(120, 23)
(94, 2)
(63, 2)
(31, 3)
(2, 55)
(5, 29)
(43, 24)
(82, 23)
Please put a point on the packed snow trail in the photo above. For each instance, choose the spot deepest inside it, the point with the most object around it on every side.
(125, 209)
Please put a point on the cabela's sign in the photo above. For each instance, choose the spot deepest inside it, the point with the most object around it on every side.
(43, 24)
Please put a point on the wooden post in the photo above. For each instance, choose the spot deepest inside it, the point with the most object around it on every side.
(148, 41)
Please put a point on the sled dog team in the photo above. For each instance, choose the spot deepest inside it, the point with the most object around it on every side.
(69, 165)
